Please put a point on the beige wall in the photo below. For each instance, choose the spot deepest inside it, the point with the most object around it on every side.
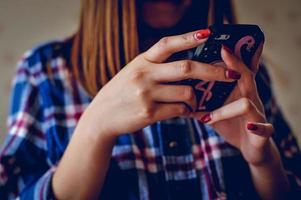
(26, 23)
(281, 22)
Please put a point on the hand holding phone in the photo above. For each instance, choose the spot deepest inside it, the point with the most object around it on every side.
(243, 41)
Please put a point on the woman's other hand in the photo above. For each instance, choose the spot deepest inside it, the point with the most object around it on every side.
(241, 121)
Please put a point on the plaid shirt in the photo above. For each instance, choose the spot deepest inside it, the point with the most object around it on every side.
(173, 159)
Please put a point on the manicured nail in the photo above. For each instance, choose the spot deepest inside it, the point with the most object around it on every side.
(202, 34)
(206, 118)
(251, 127)
(232, 74)
(227, 49)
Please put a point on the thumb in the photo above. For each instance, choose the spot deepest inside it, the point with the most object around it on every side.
(256, 58)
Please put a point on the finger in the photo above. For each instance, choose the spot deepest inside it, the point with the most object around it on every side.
(261, 129)
(172, 44)
(246, 84)
(256, 58)
(241, 107)
(197, 115)
(231, 61)
(185, 69)
(170, 110)
(175, 93)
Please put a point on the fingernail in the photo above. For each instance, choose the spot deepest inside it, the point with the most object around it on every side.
(206, 118)
(227, 49)
(252, 127)
(202, 34)
(232, 74)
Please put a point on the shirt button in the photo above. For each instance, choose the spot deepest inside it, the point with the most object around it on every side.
(222, 195)
(173, 144)
(240, 194)
(17, 170)
(11, 161)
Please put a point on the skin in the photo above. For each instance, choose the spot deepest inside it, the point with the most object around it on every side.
(257, 147)
(147, 99)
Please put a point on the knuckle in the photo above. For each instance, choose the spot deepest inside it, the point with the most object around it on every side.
(219, 71)
(142, 56)
(163, 42)
(142, 93)
(271, 128)
(249, 75)
(248, 91)
(186, 38)
(147, 112)
(182, 109)
(137, 75)
(185, 68)
(188, 93)
(247, 105)
(233, 62)
(216, 115)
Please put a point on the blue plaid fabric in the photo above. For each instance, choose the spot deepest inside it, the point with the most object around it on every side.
(173, 159)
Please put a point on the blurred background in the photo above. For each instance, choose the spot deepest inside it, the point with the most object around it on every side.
(27, 23)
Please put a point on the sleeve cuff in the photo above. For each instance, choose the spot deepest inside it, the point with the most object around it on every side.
(43, 189)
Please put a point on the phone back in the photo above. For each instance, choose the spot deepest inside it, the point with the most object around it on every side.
(243, 40)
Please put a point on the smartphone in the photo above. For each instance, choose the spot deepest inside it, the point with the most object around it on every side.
(243, 40)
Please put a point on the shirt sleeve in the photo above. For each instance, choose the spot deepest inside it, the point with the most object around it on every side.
(283, 135)
(25, 171)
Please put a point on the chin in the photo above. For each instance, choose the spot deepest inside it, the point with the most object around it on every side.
(164, 13)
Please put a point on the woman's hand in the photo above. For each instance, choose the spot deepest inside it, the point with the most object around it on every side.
(140, 95)
(241, 121)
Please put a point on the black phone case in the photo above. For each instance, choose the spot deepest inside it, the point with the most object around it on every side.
(243, 40)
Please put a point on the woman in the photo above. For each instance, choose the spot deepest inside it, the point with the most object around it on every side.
(82, 126)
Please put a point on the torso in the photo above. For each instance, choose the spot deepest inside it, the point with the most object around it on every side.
(174, 159)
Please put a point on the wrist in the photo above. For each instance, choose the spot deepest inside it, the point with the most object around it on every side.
(269, 177)
(94, 128)
(269, 156)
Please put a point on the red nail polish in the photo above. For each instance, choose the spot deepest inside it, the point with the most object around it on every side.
(206, 118)
(202, 34)
(232, 74)
(252, 127)
(227, 49)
